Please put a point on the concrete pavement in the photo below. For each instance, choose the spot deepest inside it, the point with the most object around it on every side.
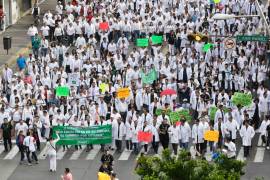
(20, 41)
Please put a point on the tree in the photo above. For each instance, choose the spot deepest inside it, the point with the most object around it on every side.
(183, 167)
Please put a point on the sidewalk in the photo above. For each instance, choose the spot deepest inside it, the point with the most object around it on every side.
(20, 41)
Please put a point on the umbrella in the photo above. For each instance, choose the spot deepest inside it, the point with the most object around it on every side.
(168, 92)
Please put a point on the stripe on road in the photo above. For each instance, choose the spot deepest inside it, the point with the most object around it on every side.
(259, 155)
(260, 143)
(2, 148)
(93, 153)
(77, 153)
(60, 153)
(240, 155)
(124, 155)
(12, 153)
(41, 154)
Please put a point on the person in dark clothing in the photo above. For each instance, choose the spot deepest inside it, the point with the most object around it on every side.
(19, 143)
(108, 159)
(104, 168)
(35, 135)
(256, 116)
(163, 134)
(6, 128)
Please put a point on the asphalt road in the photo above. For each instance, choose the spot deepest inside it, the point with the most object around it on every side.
(84, 165)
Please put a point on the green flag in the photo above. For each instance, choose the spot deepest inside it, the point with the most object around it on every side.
(150, 77)
(157, 39)
(207, 47)
(62, 91)
(143, 42)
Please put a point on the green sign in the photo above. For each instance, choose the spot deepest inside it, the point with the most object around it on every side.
(177, 115)
(252, 38)
(207, 47)
(142, 42)
(62, 91)
(150, 77)
(156, 39)
(83, 135)
(242, 99)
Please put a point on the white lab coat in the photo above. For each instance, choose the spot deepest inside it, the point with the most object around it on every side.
(185, 132)
(122, 130)
(232, 127)
(30, 143)
(223, 129)
(263, 127)
(135, 133)
(175, 135)
(154, 130)
(128, 131)
(247, 134)
(51, 152)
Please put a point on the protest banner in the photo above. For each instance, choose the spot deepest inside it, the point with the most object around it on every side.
(211, 136)
(83, 135)
(123, 93)
(242, 99)
(156, 39)
(104, 26)
(159, 111)
(62, 91)
(143, 42)
(144, 136)
(104, 87)
(150, 77)
(74, 79)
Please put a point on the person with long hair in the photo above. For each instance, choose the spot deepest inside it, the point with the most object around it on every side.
(51, 152)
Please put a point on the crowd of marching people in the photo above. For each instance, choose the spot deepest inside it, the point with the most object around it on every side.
(70, 43)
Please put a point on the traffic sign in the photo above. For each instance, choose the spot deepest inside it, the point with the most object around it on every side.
(256, 37)
(229, 43)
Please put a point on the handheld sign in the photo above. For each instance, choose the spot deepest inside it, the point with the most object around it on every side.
(123, 93)
(211, 136)
(62, 91)
(104, 26)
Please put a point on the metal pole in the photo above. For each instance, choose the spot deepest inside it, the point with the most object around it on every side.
(246, 16)
(263, 16)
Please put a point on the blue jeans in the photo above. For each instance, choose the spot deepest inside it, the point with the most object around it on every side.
(184, 145)
(136, 150)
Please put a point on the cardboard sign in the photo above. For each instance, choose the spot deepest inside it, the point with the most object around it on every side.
(74, 79)
(143, 42)
(144, 136)
(104, 87)
(211, 135)
(123, 93)
(104, 26)
(62, 91)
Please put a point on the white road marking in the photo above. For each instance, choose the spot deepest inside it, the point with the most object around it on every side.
(40, 156)
(12, 153)
(240, 155)
(2, 148)
(77, 153)
(92, 154)
(259, 155)
(260, 143)
(60, 153)
(125, 155)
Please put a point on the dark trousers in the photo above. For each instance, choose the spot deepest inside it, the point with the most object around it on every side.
(129, 144)
(6, 142)
(246, 151)
(136, 150)
(118, 144)
(76, 147)
(34, 156)
(175, 146)
(164, 142)
(145, 147)
(155, 146)
(21, 149)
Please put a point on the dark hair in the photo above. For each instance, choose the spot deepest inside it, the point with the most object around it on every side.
(67, 170)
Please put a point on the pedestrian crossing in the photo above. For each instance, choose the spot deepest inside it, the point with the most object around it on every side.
(257, 154)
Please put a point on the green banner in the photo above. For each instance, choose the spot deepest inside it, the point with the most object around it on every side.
(143, 42)
(177, 115)
(62, 91)
(256, 37)
(150, 77)
(83, 135)
(156, 39)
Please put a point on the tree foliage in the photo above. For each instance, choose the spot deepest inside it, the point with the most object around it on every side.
(183, 167)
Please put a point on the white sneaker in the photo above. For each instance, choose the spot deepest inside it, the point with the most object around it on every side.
(267, 147)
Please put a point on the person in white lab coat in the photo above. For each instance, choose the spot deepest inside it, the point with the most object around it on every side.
(263, 129)
(174, 133)
(146, 128)
(119, 131)
(154, 130)
(128, 134)
(203, 127)
(247, 133)
(51, 152)
(230, 148)
(135, 129)
(185, 134)
(232, 127)
(197, 136)
(29, 143)
(221, 128)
